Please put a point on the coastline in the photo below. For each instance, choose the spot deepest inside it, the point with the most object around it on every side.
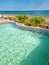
(22, 25)
(7, 19)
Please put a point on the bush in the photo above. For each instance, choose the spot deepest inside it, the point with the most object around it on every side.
(30, 21)
(22, 18)
(36, 20)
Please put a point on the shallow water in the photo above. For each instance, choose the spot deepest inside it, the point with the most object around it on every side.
(20, 46)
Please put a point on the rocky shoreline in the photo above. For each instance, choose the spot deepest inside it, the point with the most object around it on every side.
(22, 25)
(7, 19)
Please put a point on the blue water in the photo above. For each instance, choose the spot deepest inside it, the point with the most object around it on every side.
(44, 13)
(23, 46)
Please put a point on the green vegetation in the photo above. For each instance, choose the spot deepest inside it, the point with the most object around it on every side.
(22, 18)
(30, 21)
(35, 21)
(27, 20)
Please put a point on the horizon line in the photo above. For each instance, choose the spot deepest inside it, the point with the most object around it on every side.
(26, 10)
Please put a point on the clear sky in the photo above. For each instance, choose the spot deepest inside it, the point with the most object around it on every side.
(24, 4)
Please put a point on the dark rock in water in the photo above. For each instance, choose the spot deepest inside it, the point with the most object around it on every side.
(48, 63)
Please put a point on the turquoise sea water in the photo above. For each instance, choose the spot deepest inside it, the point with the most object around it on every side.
(23, 46)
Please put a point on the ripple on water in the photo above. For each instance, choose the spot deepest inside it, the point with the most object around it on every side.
(16, 44)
